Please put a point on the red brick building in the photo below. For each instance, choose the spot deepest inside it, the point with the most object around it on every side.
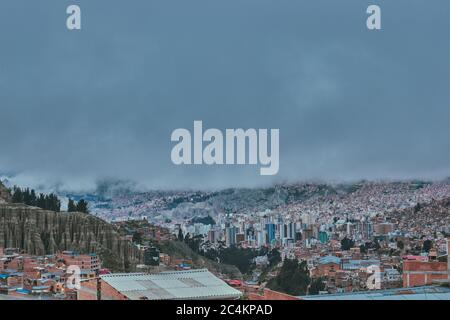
(268, 294)
(86, 262)
(92, 289)
(417, 273)
(327, 266)
(420, 273)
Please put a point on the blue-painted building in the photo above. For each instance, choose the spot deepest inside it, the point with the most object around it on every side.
(270, 228)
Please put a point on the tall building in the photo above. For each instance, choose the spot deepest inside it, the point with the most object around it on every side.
(365, 229)
(213, 236)
(230, 236)
(383, 228)
(323, 237)
(291, 230)
(240, 238)
(270, 228)
(282, 230)
(349, 229)
(261, 238)
(307, 219)
(86, 262)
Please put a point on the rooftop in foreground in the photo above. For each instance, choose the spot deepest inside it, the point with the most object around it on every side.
(415, 293)
(173, 285)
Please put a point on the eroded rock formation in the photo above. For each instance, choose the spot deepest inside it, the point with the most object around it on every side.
(40, 232)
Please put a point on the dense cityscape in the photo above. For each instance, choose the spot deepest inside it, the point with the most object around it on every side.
(222, 158)
(304, 241)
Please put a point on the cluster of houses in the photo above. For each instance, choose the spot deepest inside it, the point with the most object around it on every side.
(26, 275)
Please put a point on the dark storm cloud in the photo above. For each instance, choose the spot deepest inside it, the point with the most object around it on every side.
(103, 101)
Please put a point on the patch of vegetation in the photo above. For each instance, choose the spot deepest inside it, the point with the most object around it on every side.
(181, 250)
(292, 279)
(204, 220)
(347, 244)
(316, 286)
(81, 206)
(29, 197)
(112, 262)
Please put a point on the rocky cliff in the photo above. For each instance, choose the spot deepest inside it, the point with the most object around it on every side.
(42, 232)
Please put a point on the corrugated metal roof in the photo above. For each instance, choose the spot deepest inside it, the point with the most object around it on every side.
(329, 259)
(432, 296)
(190, 284)
(415, 293)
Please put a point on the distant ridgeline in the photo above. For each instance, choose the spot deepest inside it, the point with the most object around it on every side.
(39, 232)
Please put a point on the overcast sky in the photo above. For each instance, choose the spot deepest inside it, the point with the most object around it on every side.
(350, 103)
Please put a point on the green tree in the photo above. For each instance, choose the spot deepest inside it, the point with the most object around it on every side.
(316, 286)
(17, 196)
(52, 203)
(137, 237)
(40, 202)
(363, 249)
(33, 198)
(417, 208)
(82, 206)
(239, 257)
(427, 245)
(292, 279)
(71, 206)
(180, 235)
(274, 257)
(28, 197)
(347, 244)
